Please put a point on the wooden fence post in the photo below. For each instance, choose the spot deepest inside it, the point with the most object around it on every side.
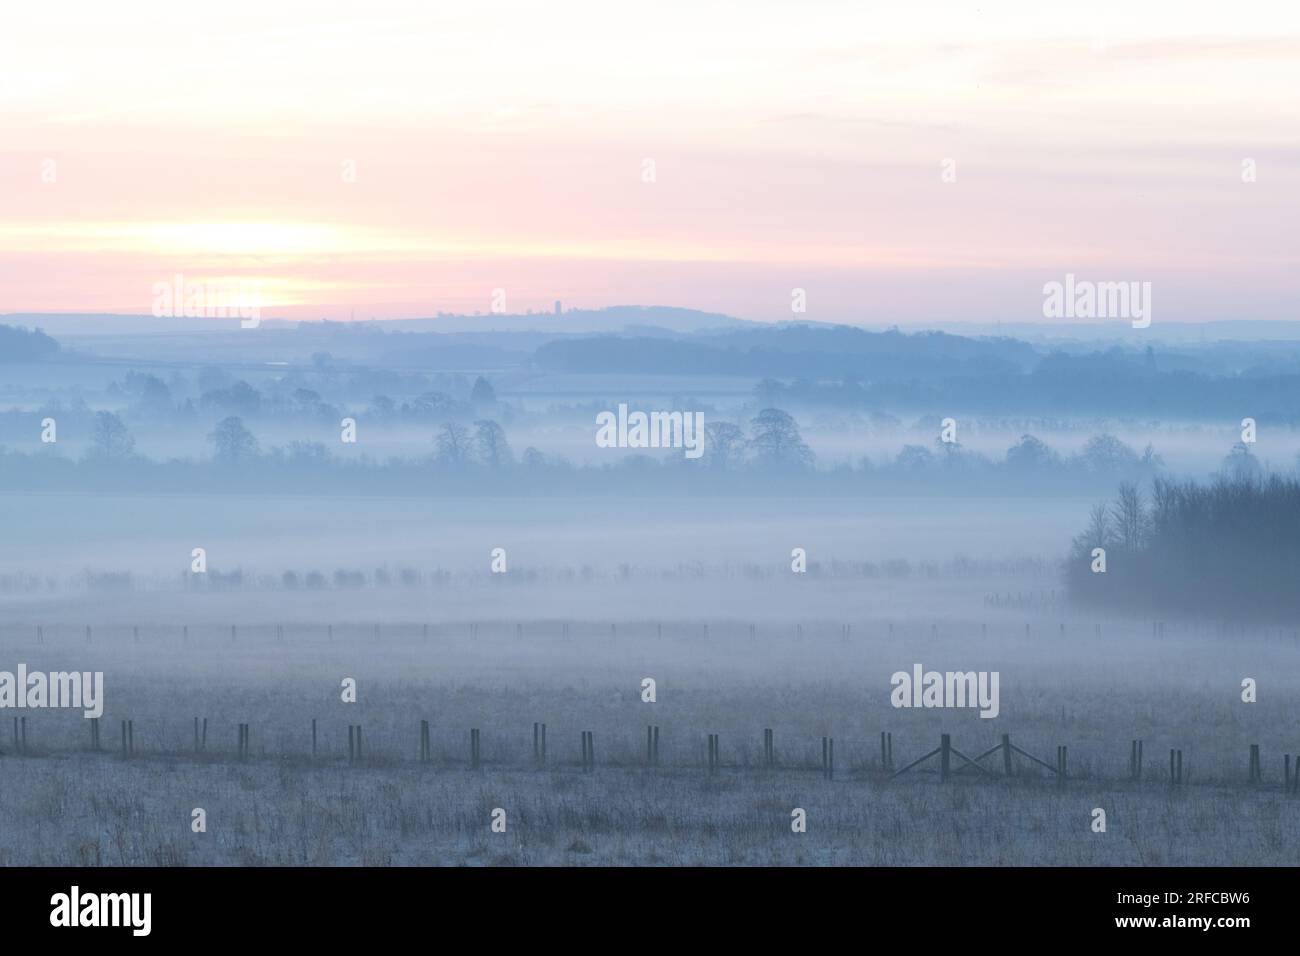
(1007, 766)
(769, 750)
(1255, 772)
(473, 749)
(124, 754)
(945, 756)
(313, 738)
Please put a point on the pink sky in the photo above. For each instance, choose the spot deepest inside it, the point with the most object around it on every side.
(794, 146)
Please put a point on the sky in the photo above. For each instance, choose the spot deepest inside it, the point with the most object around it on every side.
(898, 163)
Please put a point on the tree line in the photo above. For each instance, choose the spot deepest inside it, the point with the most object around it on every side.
(1229, 548)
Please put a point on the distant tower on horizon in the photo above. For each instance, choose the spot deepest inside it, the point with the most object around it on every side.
(558, 308)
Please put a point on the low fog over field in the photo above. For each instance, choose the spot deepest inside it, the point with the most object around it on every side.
(234, 525)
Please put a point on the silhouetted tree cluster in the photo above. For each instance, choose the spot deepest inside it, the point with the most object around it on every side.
(1227, 549)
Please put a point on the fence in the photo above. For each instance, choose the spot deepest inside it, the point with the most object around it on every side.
(1015, 760)
(1040, 621)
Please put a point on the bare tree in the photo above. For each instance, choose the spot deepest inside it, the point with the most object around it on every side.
(453, 444)
(1130, 516)
(232, 442)
(777, 441)
(1099, 527)
(110, 437)
(493, 449)
(724, 444)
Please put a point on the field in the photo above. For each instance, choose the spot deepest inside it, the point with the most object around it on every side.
(1092, 685)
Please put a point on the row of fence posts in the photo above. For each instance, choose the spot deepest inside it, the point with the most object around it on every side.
(1158, 630)
(354, 743)
(846, 631)
(1292, 775)
(539, 744)
(945, 751)
(20, 735)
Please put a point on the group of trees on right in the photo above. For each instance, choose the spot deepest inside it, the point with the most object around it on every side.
(1226, 549)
